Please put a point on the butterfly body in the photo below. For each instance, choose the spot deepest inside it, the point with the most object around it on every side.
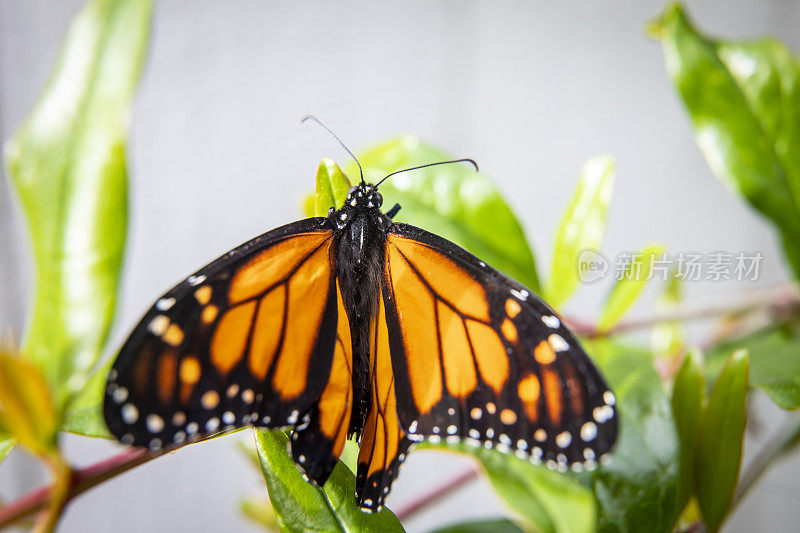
(354, 324)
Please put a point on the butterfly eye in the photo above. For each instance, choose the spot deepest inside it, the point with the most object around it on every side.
(377, 199)
(352, 191)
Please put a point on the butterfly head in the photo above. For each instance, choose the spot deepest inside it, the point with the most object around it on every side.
(364, 196)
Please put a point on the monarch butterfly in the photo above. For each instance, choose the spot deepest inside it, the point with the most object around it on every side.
(356, 325)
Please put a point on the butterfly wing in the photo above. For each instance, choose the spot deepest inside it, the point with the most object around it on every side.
(477, 357)
(383, 443)
(254, 338)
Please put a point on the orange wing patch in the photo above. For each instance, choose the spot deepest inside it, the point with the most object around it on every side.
(305, 307)
(230, 338)
(382, 432)
(335, 403)
(273, 265)
(445, 277)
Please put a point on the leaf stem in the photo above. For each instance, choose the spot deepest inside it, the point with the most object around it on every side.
(417, 504)
(78, 482)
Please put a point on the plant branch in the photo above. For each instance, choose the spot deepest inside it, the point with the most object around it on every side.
(781, 443)
(80, 481)
(776, 300)
(419, 503)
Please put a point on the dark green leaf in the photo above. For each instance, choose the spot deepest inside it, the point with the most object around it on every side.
(548, 501)
(67, 163)
(332, 187)
(719, 447)
(744, 102)
(629, 286)
(302, 507)
(687, 407)
(636, 490)
(453, 201)
(774, 364)
(491, 525)
(582, 227)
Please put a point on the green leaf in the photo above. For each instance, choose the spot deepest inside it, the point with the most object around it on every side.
(67, 164)
(491, 525)
(332, 187)
(636, 490)
(629, 286)
(774, 364)
(548, 501)
(260, 512)
(582, 226)
(84, 414)
(743, 99)
(302, 507)
(667, 338)
(719, 448)
(688, 395)
(6, 445)
(453, 201)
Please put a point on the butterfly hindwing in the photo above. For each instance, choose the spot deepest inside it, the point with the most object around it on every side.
(318, 441)
(249, 339)
(384, 443)
(476, 357)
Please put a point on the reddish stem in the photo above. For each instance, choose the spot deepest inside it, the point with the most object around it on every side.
(82, 480)
(417, 504)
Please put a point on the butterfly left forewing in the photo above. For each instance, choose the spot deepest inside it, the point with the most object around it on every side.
(478, 358)
(249, 339)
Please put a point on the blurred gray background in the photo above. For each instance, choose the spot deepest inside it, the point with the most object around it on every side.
(529, 90)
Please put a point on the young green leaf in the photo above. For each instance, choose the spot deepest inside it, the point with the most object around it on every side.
(453, 201)
(721, 437)
(260, 512)
(27, 412)
(629, 286)
(332, 187)
(6, 445)
(302, 507)
(491, 525)
(636, 490)
(774, 365)
(667, 338)
(688, 394)
(582, 226)
(743, 99)
(67, 164)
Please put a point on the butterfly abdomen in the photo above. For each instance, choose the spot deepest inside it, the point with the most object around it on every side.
(359, 263)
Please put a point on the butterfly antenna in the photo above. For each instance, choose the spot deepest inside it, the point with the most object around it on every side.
(465, 160)
(315, 119)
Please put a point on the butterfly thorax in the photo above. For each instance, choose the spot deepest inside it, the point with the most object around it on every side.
(359, 245)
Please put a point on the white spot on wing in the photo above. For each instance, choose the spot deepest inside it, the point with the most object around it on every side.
(130, 414)
(196, 280)
(551, 321)
(522, 295)
(164, 304)
(154, 423)
(588, 431)
(557, 343)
